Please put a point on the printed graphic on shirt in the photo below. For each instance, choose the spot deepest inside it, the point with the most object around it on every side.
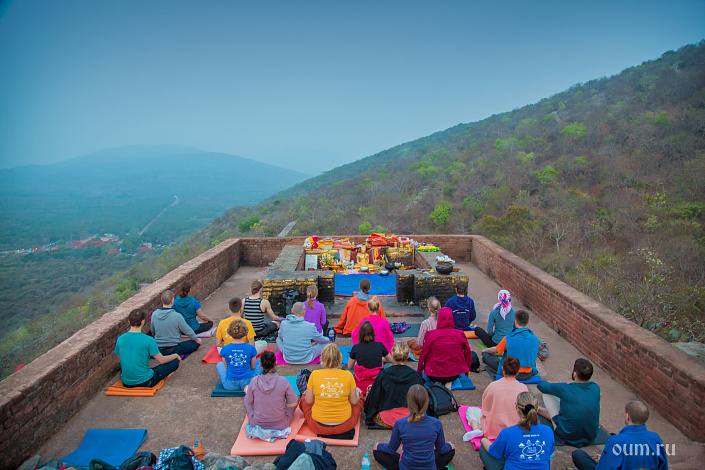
(238, 358)
(331, 389)
(532, 450)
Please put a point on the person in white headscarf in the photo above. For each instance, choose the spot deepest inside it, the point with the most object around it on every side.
(501, 321)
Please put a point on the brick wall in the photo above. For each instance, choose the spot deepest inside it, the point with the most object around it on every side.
(38, 399)
(666, 378)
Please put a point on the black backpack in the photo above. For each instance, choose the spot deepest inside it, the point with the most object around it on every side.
(441, 401)
(475, 366)
(180, 459)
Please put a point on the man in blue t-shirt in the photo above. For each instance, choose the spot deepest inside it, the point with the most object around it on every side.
(634, 446)
(574, 407)
(135, 348)
(462, 306)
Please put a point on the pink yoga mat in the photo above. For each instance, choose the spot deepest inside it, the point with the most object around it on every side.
(475, 441)
(282, 362)
(245, 447)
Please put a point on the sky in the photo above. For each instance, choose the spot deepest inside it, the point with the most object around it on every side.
(307, 85)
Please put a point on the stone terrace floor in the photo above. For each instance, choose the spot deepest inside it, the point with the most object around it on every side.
(183, 411)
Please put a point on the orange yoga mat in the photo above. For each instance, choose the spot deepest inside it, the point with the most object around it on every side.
(244, 446)
(119, 390)
(213, 356)
(306, 433)
(470, 335)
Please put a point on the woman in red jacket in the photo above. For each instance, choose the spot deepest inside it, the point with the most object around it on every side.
(445, 353)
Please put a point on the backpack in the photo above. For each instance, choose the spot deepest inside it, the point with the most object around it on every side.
(302, 380)
(178, 458)
(441, 401)
(475, 365)
(543, 350)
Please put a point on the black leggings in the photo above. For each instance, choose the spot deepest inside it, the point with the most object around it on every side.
(391, 461)
(485, 337)
(160, 372)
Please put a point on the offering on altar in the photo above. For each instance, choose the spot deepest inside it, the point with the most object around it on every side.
(362, 259)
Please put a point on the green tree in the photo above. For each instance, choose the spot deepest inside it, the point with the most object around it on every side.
(365, 228)
(574, 130)
(441, 213)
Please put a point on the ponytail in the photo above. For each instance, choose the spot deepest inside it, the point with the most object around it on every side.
(184, 289)
(311, 293)
(528, 405)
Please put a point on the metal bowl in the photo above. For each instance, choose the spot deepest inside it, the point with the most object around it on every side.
(364, 269)
(384, 272)
(444, 268)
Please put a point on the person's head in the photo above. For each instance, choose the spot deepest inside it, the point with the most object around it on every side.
(434, 305)
(235, 305)
(417, 402)
(521, 318)
(528, 410)
(136, 317)
(365, 285)
(510, 367)
(184, 289)
(256, 286)
(268, 362)
(238, 329)
(400, 352)
(637, 412)
(582, 370)
(311, 294)
(461, 288)
(298, 309)
(167, 298)
(373, 305)
(331, 357)
(366, 333)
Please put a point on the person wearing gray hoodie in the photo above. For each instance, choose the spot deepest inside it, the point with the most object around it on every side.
(167, 325)
(296, 335)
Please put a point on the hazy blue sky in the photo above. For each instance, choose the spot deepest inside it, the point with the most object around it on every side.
(302, 84)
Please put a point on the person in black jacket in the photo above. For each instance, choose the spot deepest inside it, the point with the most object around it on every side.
(386, 399)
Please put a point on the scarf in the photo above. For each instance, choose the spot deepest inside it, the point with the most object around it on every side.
(505, 303)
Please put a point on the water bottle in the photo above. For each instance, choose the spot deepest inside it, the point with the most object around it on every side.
(365, 464)
(331, 334)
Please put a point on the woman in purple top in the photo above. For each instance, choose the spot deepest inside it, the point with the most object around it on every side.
(270, 400)
(315, 311)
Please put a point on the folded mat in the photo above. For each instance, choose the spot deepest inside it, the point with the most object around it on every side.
(204, 334)
(346, 284)
(475, 441)
(412, 332)
(282, 362)
(306, 433)
(213, 356)
(533, 380)
(113, 446)
(219, 391)
(244, 446)
(461, 383)
(119, 390)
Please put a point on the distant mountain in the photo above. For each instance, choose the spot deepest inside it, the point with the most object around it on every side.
(124, 188)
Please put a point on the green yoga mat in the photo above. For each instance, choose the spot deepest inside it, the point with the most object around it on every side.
(482, 346)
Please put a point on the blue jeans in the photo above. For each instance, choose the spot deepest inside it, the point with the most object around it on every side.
(235, 384)
(583, 461)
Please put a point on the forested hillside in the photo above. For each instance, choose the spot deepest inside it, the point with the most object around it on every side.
(602, 185)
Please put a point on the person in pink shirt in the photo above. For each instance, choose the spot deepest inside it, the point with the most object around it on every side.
(315, 312)
(383, 330)
(498, 404)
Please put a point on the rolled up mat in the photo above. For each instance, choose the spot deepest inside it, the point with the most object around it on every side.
(244, 446)
(475, 441)
(461, 383)
(282, 362)
(306, 433)
(113, 446)
(536, 379)
(119, 390)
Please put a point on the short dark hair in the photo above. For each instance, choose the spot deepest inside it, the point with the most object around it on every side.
(184, 289)
(583, 369)
(366, 333)
(365, 285)
(267, 361)
(461, 287)
(135, 317)
(521, 318)
(510, 366)
(235, 304)
(638, 412)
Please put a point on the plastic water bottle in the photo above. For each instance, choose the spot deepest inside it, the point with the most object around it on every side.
(331, 334)
(365, 464)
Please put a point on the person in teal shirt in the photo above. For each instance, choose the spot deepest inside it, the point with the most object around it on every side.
(135, 348)
(573, 407)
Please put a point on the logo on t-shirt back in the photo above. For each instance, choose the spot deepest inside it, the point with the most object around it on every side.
(532, 450)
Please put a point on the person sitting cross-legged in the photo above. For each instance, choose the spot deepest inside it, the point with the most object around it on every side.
(383, 330)
(463, 307)
(421, 435)
(500, 322)
(634, 446)
(296, 336)
(316, 311)
(239, 359)
(221, 335)
(135, 348)
(191, 310)
(520, 343)
(498, 404)
(385, 402)
(367, 357)
(573, 407)
(332, 403)
(356, 310)
(255, 308)
(429, 324)
(167, 326)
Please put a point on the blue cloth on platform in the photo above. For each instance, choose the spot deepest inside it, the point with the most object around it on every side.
(346, 284)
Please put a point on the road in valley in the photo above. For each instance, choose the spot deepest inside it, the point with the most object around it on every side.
(176, 201)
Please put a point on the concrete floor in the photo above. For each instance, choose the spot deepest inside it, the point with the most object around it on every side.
(183, 411)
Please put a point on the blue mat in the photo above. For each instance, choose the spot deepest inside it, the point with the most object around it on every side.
(219, 391)
(461, 383)
(412, 358)
(346, 284)
(113, 446)
(533, 380)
